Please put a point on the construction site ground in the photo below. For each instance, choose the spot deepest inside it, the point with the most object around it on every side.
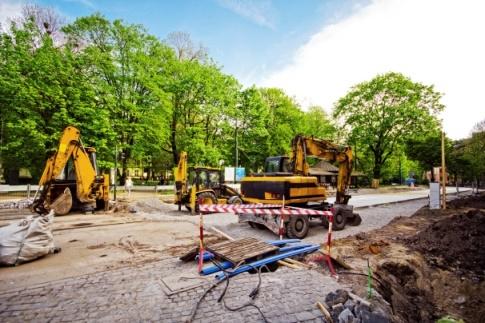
(111, 268)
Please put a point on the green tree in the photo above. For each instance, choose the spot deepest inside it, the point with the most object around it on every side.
(385, 112)
(127, 68)
(427, 151)
(253, 135)
(284, 122)
(317, 123)
(475, 152)
(42, 90)
(202, 100)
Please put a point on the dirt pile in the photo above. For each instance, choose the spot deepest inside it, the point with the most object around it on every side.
(146, 206)
(455, 243)
(476, 201)
(426, 266)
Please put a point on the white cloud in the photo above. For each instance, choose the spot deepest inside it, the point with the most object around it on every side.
(86, 3)
(258, 11)
(438, 42)
(9, 9)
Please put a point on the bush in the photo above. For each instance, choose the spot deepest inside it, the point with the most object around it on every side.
(142, 182)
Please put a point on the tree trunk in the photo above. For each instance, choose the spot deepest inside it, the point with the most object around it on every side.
(123, 169)
(376, 170)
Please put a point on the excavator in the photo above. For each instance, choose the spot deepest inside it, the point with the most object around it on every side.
(287, 181)
(205, 186)
(70, 179)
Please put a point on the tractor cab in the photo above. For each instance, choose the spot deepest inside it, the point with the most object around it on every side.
(277, 165)
(205, 177)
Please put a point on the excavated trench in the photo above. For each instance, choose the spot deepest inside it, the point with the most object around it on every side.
(429, 265)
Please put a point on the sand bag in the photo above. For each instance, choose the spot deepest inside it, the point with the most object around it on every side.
(27, 239)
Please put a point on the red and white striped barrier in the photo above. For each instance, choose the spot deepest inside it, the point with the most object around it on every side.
(268, 209)
(230, 208)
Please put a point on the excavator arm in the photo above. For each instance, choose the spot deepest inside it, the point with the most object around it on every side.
(302, 147)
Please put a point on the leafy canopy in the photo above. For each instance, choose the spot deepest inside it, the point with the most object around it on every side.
(384, 112)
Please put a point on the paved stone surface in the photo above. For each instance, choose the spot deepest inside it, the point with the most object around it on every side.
(136, 294)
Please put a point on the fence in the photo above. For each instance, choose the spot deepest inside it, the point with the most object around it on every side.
(165, 192)
(17, 192)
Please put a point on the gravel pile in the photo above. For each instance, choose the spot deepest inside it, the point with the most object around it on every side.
(21, 204)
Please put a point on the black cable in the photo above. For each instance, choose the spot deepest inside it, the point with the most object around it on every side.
(252, 295)
(194, 311)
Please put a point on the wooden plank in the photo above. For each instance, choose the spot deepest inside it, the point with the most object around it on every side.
(242, 249)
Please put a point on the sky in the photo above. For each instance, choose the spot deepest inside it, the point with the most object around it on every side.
(316, 50)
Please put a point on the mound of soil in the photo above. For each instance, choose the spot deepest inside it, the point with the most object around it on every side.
(455, 242)
(474, 201)
(428, 265)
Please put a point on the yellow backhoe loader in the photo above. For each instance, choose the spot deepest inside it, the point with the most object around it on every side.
(287, 180)
(70, 180)
(201, 185)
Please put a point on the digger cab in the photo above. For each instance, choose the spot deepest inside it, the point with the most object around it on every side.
(205, 178)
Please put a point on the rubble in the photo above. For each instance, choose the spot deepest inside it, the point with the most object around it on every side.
(20, 204)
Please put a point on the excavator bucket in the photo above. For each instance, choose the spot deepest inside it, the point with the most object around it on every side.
(63, 203)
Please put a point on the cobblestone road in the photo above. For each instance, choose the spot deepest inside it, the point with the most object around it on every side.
(137, 294)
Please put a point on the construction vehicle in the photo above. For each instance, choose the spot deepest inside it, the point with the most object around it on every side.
(70, 179)
(287, 181)
(201, 185)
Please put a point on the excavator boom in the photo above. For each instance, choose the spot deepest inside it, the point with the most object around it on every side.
(302, 147)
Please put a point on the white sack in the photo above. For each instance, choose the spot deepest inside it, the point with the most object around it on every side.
(27, 239)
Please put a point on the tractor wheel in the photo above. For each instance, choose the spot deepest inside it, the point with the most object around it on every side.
(207, 198)
(356, 220)
(339, 221)
(235, 200)
(298, 226)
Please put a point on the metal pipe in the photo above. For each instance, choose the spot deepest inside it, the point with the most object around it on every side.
(267, 260)
(227, 264)
(209, 255)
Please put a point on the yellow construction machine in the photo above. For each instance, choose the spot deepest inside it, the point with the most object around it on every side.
(70, 179)
(201, 185)
(286, 180)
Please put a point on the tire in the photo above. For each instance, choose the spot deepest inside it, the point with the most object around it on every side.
(339, 221)
(205, 198)
(235, 200)
(298, 226)
(356, 220)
